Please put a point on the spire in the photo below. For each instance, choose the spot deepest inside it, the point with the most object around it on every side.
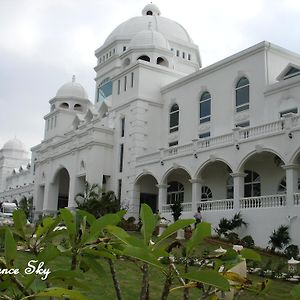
(73, 78)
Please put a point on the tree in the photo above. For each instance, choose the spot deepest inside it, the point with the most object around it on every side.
(96, 201)
(279, 238)
(27, 205)
(176, 208)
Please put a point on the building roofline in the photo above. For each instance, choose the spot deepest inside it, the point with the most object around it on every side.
(262, 46)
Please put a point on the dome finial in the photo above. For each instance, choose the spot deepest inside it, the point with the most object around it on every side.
(151, 10)
(73, 78)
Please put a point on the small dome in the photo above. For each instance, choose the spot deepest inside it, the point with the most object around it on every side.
(14, 144)
(72, 89)
(147, 38)
(151, 10)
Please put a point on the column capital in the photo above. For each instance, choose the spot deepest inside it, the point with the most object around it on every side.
(196, 180)
(238, 174)
(162, 186)
(291, 166)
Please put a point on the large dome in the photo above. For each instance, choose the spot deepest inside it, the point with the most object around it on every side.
(14, 144)
(148, 38)
(170, 29)
(72, 89)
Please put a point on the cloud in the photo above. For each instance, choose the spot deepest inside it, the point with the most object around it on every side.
(42, 43)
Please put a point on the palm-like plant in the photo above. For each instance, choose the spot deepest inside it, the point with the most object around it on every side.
(96, 201)
(279, 238)
(176, 208)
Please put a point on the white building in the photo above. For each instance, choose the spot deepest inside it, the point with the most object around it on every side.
(225, 137)
(16, 178)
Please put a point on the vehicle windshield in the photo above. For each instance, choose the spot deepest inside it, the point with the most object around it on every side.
(8, 210)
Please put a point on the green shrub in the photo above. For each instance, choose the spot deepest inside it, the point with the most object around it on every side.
(223, 227)
(291, 251)
(247, 241)
(233, 238)
(226, 225)
(279, 238)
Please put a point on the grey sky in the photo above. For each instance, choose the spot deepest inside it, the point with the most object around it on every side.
(44, 42)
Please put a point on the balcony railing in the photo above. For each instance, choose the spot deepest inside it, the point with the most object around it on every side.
(297, 199)
(261, 130)
(186, 207)
(263, 201)
(216, 204)
(231, 138)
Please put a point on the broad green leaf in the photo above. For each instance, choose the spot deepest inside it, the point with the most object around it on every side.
(49, 253)
(250, 254)
(124, 237)
(142, 254)
(230, 255)
(179, 224)
(61, 293)
(202, 231)
(235, 277)
(101, 223)
(160, 253)
(148, 221)
(46, 226)
(89, 217)
(119, 233)
(94, 266)
(10, 249)
(69, 220)
(209, 277)
(20, 222)
(121, 213)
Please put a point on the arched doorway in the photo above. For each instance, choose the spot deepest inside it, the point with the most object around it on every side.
(178, 188)
(263, 171)
(62, 181)
(147, 192)
(216, 181)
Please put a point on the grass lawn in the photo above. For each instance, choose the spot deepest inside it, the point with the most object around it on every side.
(130, 279)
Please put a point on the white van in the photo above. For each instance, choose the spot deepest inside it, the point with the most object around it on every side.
(6, 214)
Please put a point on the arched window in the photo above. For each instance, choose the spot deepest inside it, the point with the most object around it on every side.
(242, 94)
(144, 57)
(229, 188)
(64, 105)
(104, 89)
(206, 193)
(205, 107)
(149, 13)
(175, 192)
(77, 107)
(163, 62)
(174, 118)
(252, 184)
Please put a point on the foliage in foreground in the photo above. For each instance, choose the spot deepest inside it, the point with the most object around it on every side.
(88, 242)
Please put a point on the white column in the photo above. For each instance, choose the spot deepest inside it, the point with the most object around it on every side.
(238, 188)
(291, 172)
(196, 192)
(72, 192)
(162, 196)
(50, 198)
